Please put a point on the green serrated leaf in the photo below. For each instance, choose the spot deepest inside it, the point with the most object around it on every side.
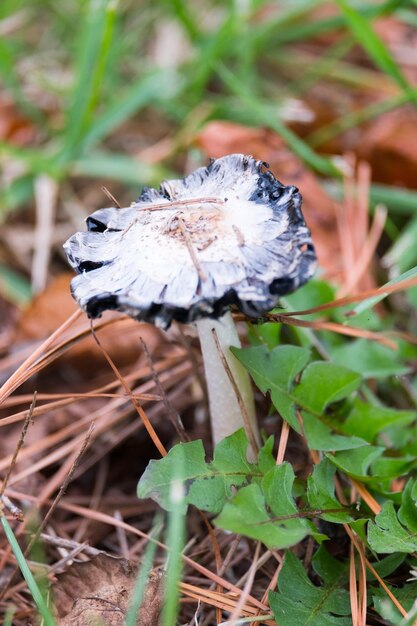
(367, 420)
(312, 294)
(274, 371)
(323, 383)
(185, 461)
(370, 359)
(391, 467)
(267, 512)
(383, 605)
(386, 535)
(300, 603)
(356, 462)
(207, 485)
(321, 437)
(320, 493)
(329, 568)
(386, 565)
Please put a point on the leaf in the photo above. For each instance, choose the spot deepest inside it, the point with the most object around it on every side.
(369, 359)
(323, 383)
(386, 535)
(356, 462)
(312, 294)
(320, 493)
(391, 467)
(367, 420)
(387, 609)
(329, 568)
(386, 565)
(267, 511)
(207, 485)
(300, 603)
(274, 371)
(246, 514)
(321, 437)
(407, 513)
(32, 584)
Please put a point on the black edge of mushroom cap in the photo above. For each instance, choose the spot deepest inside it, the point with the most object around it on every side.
(231, 235)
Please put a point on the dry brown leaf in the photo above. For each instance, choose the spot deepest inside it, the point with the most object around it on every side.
(49, 309)
(220, 137)
(390, 150)
(14, 127)
(99, 591)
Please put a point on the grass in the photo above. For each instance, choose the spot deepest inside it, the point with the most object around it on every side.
(117, 94)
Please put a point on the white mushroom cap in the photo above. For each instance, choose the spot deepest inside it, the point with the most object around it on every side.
(230, 234)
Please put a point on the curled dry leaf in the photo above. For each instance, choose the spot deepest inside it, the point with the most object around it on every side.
(99, 592)
(220, 137)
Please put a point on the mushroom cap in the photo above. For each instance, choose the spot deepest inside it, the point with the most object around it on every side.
(231, 234)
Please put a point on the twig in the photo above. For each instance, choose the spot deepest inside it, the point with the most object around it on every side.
(247, 587)
(190, 248)
(283, 440)
(111, 197)
(26, 423)
(173, 415)
(135, 403)
(21, 374)
(52, 508)
(176, 203)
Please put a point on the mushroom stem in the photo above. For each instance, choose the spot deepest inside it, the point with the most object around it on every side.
(226, 413)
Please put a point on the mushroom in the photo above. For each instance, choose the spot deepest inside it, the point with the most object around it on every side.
(226, 235)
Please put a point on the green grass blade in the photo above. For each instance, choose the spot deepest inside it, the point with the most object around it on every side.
(403, 253)
(144, 92)
(140, 583)
(214, 48)
(183, 13)
(398, 200)
(370, 302)
(15, 194)
(43, 609)
(258, 113)
(374, 46)
(298, 26)
(117, 167)
(11, 80)
(8, 618)
(175, 541)
(355, 118)
(13, 287)
(93, 50)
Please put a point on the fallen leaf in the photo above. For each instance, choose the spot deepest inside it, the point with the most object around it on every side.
(99, 591)
(15, 128)
(49, 309)
(387, 147)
